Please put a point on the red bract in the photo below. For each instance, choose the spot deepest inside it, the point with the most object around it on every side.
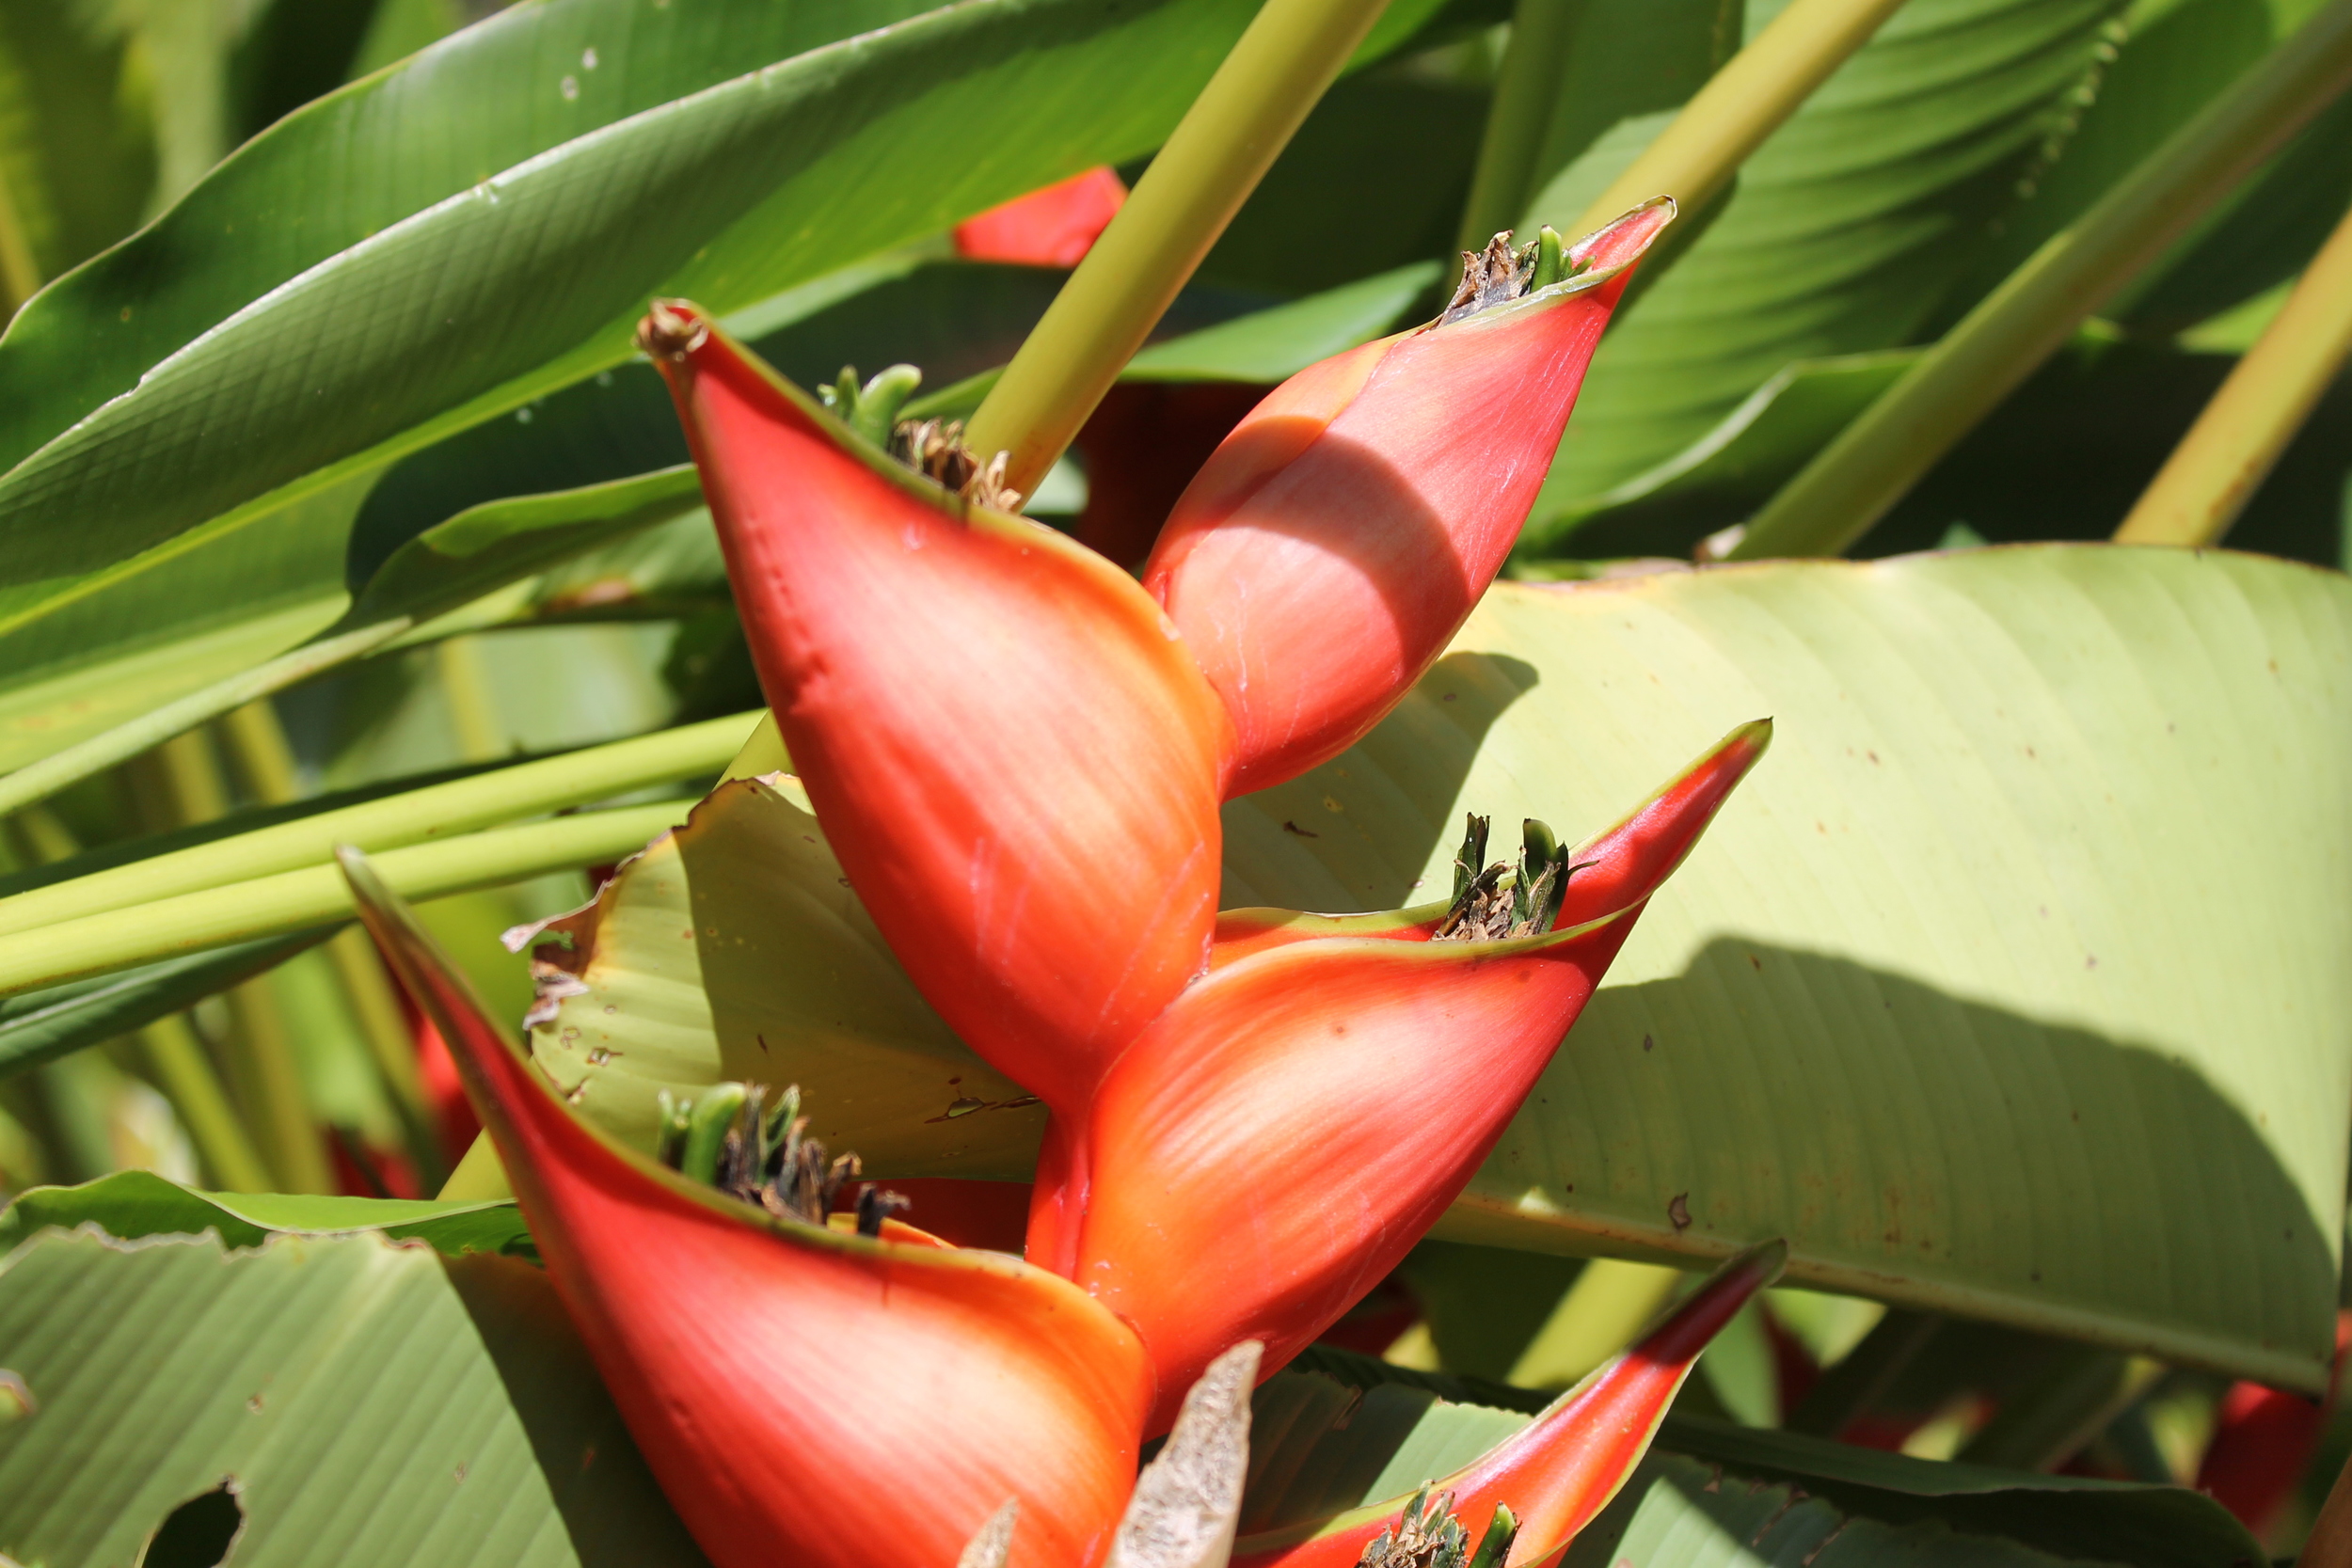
(1341, 533)
(803, 1395)
(1013, 756)
(1558, 1471)
(1379, 1065)
(1053, 227)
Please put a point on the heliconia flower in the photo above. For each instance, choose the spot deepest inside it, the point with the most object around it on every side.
(1050, 227)
(1374, 1065)
(803, 1394)
(1562, 1468)
(1013, 756)
(1329, 548)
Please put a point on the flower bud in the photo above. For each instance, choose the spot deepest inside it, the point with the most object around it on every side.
(1329, 548)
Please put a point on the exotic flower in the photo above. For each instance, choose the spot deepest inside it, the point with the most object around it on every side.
(1556, 1473)
(1328, 550)
(1374, 1056)
(760, 1359)
(1013, 756)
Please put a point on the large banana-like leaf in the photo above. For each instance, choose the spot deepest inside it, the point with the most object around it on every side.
(2012, 985)
(1847, 226)
(363, 1402)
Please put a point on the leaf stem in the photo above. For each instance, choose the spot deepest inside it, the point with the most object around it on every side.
(1543, 32)
(316, 895)
(185, 1075)
(1726, 120)
(594, 773)
(258, 751)
(1852, 482)
(2231, 448)
(1243, 118)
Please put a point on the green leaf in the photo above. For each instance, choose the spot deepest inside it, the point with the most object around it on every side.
(75, 158)
(732, 948)
(132, 1204)
(1957, 971)
(1340, 1431)
(375, 1405)
(1272, 345)
(42, 1025)
(1846, 228)
(2178, 56)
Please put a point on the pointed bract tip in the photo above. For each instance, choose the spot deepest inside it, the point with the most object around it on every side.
(991, 1545)
(1187, 1501)
(673, 329)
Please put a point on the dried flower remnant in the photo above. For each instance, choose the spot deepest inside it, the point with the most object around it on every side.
(1504, 902)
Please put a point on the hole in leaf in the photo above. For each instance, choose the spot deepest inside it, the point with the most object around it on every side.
(200, 1533)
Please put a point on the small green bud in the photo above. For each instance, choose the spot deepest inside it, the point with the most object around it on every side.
(878, 403)
(1552, 259)
(714, 1113)
(1472, 859)
(1495, 1546)
(669, 1136)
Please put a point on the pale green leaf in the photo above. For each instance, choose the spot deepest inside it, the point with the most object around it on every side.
(376, 1406)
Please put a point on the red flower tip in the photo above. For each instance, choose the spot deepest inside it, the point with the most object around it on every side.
(1341, 533)
(1052, 227)
(1562, 1468)
(757, 1361)
(1379, 1062)
(1011, 752)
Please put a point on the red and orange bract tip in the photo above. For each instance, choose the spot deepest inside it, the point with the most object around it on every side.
(796, 1389)
(1340, 536)
(1271, 1147)
(1011, 752)
(1561, 1469)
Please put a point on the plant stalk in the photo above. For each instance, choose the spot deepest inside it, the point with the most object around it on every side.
(38, 780)
(316, 895)
(2234, 443)
(1243, 118)
(258, 747)
(461, 805)
(1536, 63)
(1726, 120)
(1852, 482)
(185, 1075)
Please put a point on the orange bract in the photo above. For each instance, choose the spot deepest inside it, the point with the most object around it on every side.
(1345, 530)
(1015, 758)
(779, 1377)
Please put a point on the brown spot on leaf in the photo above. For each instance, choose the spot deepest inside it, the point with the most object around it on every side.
(1678, 1210)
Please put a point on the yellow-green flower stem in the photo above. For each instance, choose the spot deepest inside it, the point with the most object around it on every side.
(1760, 87)
(316, 895)
(1534, 65)
(175, 1056)
(461, 805)
(259, 752)
(1852, 482)
(1289, 54)
(185, 1073)
(257, 1055)
(2231, 449)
